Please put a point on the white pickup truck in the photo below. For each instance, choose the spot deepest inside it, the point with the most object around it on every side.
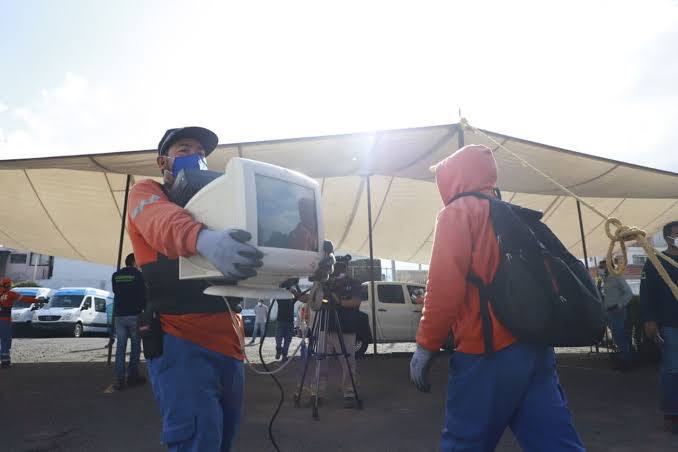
(398, 309)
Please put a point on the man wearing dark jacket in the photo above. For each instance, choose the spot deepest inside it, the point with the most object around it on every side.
(659, 310)
(130, 300)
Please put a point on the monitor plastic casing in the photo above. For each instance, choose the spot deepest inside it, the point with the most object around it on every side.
(230, 202)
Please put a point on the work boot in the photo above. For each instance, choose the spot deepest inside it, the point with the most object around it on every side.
(350, 402)
(136, 381)
(284, 358)
(277, 354)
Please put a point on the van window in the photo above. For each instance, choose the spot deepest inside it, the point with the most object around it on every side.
(99, 305)
(390, 293)
(17, 258)
(87, 304)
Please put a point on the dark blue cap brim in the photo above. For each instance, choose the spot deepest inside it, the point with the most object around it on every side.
(206, 137)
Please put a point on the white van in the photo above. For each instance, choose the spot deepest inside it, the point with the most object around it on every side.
(76, 310)
(398, 309)
(22, 311)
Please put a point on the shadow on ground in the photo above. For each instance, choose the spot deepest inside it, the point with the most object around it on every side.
(64, 407)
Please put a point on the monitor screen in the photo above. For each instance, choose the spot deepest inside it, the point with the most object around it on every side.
(286, 215)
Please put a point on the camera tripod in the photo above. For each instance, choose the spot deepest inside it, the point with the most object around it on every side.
(317, 350)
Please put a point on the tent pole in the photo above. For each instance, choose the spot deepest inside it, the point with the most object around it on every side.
(369, 235)
(583, 238)
(122, 221)
(586, 256)
(122, 239)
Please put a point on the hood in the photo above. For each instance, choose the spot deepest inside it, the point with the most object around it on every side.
(471, 168)
(54, 311)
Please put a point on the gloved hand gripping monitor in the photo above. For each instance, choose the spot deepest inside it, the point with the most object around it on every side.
(279, 207)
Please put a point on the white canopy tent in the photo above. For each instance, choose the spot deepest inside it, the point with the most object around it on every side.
(72, 206)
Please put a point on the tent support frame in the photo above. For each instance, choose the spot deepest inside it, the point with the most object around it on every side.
(586, 256)
(369, 237)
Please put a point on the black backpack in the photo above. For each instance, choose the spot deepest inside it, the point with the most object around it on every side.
(541, 293)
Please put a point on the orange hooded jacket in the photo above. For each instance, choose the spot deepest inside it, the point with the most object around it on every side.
(464, 241)
(157, 225)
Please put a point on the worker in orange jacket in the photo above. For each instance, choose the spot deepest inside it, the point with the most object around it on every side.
(517, 386)
(7, 300)
(195, 362)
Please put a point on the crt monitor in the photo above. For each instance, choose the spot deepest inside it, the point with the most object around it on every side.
(279, 207)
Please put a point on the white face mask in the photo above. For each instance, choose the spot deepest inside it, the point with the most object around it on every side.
(673, 241)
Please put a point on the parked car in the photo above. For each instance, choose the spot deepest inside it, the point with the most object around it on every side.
(75, 310)
(22, 311)
(398, 307)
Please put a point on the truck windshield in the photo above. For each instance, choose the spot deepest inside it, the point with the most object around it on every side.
(65, 301)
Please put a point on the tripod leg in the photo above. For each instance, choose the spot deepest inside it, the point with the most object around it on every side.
(320, 356)
(345, 352)
(307, 360)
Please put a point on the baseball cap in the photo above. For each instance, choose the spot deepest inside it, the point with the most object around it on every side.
(206, 137)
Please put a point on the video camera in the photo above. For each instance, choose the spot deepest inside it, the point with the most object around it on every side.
(340, 267)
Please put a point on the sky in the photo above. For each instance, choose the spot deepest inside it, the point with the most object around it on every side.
(92, 76)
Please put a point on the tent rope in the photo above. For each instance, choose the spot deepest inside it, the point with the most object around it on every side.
(621, 234)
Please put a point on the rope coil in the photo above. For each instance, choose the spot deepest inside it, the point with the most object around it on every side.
(621, 234)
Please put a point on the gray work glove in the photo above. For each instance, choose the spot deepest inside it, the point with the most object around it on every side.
(229, 252)
(419, 365)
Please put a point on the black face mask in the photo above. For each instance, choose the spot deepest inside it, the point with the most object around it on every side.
(496, 192)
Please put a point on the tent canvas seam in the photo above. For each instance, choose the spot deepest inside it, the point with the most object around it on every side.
(44, 208)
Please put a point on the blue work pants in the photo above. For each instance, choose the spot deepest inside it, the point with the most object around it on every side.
(258, 330)
(200, 393)
(5, 340)
(126, 328)
(617, 319)
(283, 337)
(516, 387)
(669, 371)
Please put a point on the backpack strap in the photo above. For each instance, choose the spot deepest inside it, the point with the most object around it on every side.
(483, 292)
(485, 320)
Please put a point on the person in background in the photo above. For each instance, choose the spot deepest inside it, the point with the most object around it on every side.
(303, 319)
(260, 314)
(346, 296)
(130, 300)
(7, 300)
(616, 296)
(659, 310)
(283, 334)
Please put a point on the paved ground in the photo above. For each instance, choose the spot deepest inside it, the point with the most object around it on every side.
(91, 349)
(54, 398)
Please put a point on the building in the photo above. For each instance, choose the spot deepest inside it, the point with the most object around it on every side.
(24, 265)
(53, 272)
(75, 273)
